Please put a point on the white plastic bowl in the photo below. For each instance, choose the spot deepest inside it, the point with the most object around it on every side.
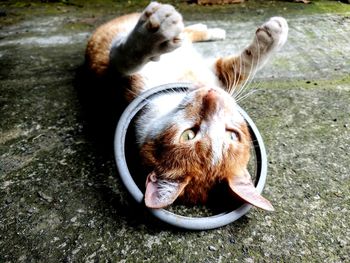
(191, 223)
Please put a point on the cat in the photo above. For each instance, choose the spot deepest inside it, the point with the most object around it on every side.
(191, 140)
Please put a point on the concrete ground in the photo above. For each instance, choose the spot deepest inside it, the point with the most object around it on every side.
(60, 196)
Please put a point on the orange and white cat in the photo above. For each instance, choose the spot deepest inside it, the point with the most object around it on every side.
(191, 140)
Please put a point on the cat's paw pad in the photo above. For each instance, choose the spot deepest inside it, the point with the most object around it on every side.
(162, 26)
(273, 34)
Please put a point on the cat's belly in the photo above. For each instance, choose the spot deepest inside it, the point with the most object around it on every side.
(182, 65)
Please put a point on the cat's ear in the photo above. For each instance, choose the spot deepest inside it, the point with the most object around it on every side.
(160, 192)
(243, 187)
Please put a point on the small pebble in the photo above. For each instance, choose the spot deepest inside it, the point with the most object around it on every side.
(212, 248)
(45, 196)
(32, 210)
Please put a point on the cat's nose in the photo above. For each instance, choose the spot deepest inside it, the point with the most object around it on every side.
(211, 102)
(210, 96)
(211, 93)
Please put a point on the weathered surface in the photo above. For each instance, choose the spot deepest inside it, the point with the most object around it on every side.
(60, 197)
(218, 2)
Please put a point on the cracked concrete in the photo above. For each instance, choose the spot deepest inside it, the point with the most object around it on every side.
(60, 196)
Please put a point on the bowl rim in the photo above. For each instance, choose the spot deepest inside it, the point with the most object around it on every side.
(185, 222)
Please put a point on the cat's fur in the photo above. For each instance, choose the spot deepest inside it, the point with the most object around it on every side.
(191, 140)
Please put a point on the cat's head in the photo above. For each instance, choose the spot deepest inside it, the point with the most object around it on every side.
(197, 140)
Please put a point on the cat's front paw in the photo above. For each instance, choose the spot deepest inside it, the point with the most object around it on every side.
(272, 35)
(161, 26)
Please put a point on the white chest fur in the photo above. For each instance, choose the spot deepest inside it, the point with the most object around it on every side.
(184, 64)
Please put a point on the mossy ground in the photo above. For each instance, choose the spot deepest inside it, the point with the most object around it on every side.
(60, 196)
(19, 10)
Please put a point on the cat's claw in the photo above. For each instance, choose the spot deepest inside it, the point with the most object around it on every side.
(162, 26)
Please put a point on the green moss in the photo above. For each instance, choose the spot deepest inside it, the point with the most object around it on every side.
(287, 84)
(19, 10)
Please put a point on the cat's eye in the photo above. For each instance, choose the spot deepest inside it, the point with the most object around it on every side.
(232, 135)
(187, 135)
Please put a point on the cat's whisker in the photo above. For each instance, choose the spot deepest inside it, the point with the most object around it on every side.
(258, 85)
(246, 95)
(138, 95)
(150, 101)
(230, 87)
(241, 89)
(241, 65)
(243, 86)
(236, 81)
(251, 75)
(256, 89)
(240, 71)
(243, 93)
(246, 85)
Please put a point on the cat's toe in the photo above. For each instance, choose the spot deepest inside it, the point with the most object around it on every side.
(278, 27)
(151, 8)
(162, 21)
(273, 33)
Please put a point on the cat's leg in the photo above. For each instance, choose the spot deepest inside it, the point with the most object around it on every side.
(233, 71)
(200, 32)
(156, 32)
